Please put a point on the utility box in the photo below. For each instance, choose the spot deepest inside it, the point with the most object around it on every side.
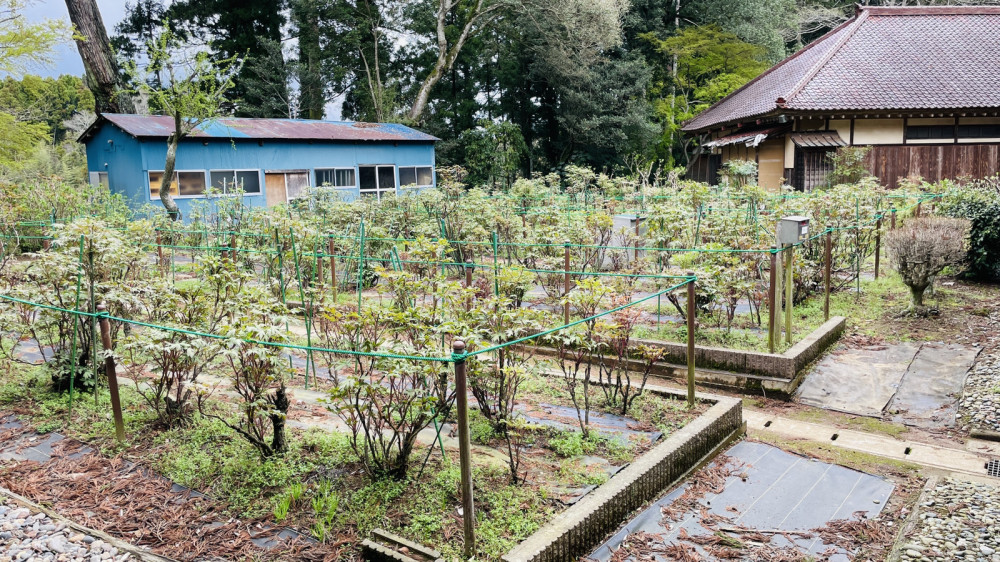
(626, 228)
(792, 230)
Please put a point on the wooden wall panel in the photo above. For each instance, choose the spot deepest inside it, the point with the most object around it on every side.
(933, 162)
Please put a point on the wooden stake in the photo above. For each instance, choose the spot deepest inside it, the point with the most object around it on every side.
(827, 271)
(916, 212)
(465, 450)
(892, 220)
(636, 259)
(109, 370)
(772, 302)
(878, 244)
(469, 265)
(159, 251)
(691, 310)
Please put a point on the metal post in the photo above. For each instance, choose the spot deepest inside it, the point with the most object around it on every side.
(789, 291)
(827, 270)
(566, 282)
(772, 302)
(469, 266)
(878, 244)
(691, 308)
(109, 370)
(464, 448)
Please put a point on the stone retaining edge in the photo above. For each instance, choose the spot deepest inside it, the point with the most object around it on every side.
(583, 525)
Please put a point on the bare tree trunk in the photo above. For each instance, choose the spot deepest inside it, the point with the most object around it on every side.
(98, 60)
(168, 170)
(446, 56)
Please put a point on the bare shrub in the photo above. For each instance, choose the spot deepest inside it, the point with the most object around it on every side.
(924, 247)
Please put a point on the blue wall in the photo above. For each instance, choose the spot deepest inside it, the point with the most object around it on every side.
(128, 160)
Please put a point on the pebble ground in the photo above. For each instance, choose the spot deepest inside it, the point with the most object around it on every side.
(958, 521)
(29, 535)
(980, 407)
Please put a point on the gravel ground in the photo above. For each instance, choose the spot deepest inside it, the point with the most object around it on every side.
(27, 535)
(957, 521)
(980, 406)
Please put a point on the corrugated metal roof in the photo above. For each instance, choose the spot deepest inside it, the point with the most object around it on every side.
(910, 58)
(285, 129)
(815, 139)
(750, 138)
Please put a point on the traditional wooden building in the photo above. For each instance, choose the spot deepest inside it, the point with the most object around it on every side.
(919, 85)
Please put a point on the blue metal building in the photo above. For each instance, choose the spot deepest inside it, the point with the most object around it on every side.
(273, 160)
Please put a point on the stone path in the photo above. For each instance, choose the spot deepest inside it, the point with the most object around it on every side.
(32, 535)
(956, 520)
(933, 456)
(916, 385)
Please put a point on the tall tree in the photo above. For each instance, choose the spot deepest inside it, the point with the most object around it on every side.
(192, 90)
(233, 28)
(103, 73)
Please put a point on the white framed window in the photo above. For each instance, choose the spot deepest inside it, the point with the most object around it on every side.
(416, 176)
(336, 177)
(230, 181)
(187, 183)
(376, 180)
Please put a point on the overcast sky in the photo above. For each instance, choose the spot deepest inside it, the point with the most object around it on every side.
(66, 59)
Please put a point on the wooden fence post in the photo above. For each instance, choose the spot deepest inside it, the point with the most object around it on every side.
(469, 266)
(827, 272)
(109, 370)
(159, 252)
(635, 259)
(566, 281)
(916, 212)
(878, 244)
(772, 301)
(464, 449)
(892, 220)
(691, 311)
(333, 270)
(789, 291)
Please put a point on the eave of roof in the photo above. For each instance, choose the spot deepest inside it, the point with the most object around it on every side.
(816, 78)
(233, 128)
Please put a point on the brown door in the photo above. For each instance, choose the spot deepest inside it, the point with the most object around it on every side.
(274, 188)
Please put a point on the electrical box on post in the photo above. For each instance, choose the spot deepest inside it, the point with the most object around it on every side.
(792, 230)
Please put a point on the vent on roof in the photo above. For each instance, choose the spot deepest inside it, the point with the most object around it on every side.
(993, 468)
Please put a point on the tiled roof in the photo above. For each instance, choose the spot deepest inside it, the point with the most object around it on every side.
(910, 58)
(285, 129)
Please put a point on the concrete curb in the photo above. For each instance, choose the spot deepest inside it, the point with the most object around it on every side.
(572, 533)
(984, 434)
(741, 370)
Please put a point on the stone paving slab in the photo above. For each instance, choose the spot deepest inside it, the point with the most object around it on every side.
(929, 392)
(857, 381)
(769, 489)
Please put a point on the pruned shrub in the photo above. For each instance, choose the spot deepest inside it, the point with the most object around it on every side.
(980, 204)
(924, 247)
